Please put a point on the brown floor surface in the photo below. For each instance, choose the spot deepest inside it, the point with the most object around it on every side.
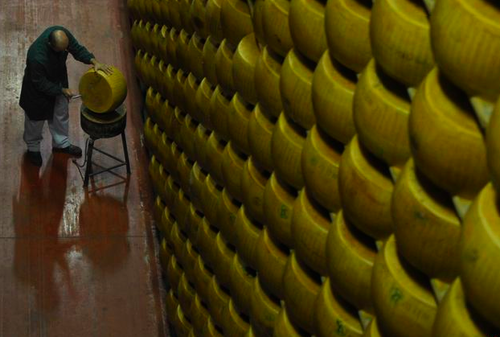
(73, 263)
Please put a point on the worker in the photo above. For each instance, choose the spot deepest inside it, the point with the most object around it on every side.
(45, 92)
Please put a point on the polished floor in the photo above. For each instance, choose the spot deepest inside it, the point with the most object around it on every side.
(73, 262)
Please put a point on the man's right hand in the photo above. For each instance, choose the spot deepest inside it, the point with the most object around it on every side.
(68, 93)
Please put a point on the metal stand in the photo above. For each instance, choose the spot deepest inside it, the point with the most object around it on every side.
(88, 160)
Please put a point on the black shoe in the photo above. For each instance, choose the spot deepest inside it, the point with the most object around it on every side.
(72, 150)
(35, 158)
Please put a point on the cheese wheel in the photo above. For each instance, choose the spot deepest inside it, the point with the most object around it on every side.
(102, 92)
(219, 112)
(271, 262)
(334, 316)
(264, 310)
(350, 256)
(213, 19)
(232, 171)
(267, 81)
(215, 149)
(195, 54)
(480, 250)
(260, 133)
(224, 255)
(286, 149)
(239, 115)
(234, 324)
(235, 20)
(174, 273)
(278, 206)
(320, 165)
(224, 65)
(227, 209)
(217, 300)
(426, 226)
(189, 255)
(203, 97)
(199, 315)
(493, 147)
(208, 60)
(301, 287)
(186, 295)
(240, 284)
(403, 300)
(470, 62)
(276, 26)
(400, 40)
(247, 234)
(307, 27)
(381, 109)
(365, 190)
(210, 197)
(347, 24)
(253, 184)
(285, 328)
(446, 141)
(244, 64)
(296, 88)
(203, 276)
(206, 242)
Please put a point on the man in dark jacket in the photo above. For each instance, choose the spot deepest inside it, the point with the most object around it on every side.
(45, 93)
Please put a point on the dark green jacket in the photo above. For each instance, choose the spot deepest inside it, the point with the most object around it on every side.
(46, 74)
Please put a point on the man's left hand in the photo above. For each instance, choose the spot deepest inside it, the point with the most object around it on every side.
(103, 67)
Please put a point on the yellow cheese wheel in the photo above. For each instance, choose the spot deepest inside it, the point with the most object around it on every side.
(480, 250)
(196, 185)
(240, 284)
(276, 26)
(347, 24)
(210, 197)
(334, 316)
(285, 328)
(350, 255)
(215, 149)
(165, 254)
(470, 62)
(208, 60)
(365, 190)
(253, 184)
(232, 171)
(310, 225)
(224, 255)
(171, 304)
(169, 81)
(184, 166)
(271, 261)
(167, 221)
(455, 318)
(286, 149)
(235, 20)
(193, 224)
(189, 255)
(174, 13)
(260, 132)
(247, 234)
(203, 276)
(227, 209)
(224, 65)
(301, 287)
(381, 110)
(174, 273)
(183, 50)
(244, 64)
(165, 14)
(203, 97)
(175, 129)
(206, 242)
(186, 18)
(200, 141)
(320, 165)
(165, 118)
(219, 112)
(179, 98)
(278, 206)
(198, 13)
(333, 88)
(182, 325)
(239, 115)
(426, 226)
(493, 147)
(158, 209)
(102, 92)
(400, 40)
(172, 192)
(234, 324)
(217, 300)
(402, 297)
(195, 53)
(307, 27)
(177, 240)
(267, 81)
(150, 135)
(264, 310)
(172, 45)
(213, 19)
(296, 89)
(199, 315)
(163, 146)
(446, 141)
(188, 130)
(186, 295)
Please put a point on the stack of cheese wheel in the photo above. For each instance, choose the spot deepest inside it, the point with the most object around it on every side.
(318, 168)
